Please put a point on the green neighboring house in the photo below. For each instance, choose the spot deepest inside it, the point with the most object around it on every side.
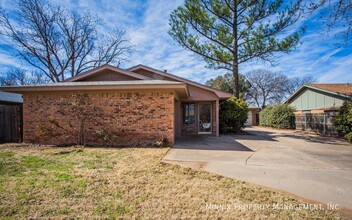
(317, 104)
(320, 97)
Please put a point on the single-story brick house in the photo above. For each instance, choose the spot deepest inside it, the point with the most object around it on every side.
(137, 104)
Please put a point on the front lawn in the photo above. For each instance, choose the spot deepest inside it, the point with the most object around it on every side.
(44, 182)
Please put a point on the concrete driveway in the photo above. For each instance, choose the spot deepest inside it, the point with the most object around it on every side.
(310, 166)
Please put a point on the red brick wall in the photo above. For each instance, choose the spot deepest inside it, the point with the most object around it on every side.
(121, 117)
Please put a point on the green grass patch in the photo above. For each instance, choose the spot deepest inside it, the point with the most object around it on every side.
(67, 192)
(6, 154)
(64, 177)
(31, 181)
(60, 166)
(35, 162)
(54, 212)
(93, 164)
(109, 166)
(118, 195)
(81, 184)
(23, 196)
(10, 168)
(111, 210)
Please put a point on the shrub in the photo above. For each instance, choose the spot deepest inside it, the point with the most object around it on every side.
(277, 116)
(265, 116)
(349, 137)
(162, 142)
(233, 115)
(343, 121)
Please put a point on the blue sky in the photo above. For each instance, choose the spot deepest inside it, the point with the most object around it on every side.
(146, 23)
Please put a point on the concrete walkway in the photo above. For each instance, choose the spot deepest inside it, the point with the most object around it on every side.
(310, 166)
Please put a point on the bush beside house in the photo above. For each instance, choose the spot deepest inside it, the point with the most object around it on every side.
(343, 121)
(277, 116)
(233, 115)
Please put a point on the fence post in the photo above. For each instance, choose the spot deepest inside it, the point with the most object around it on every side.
(324, 123)
(305, 121)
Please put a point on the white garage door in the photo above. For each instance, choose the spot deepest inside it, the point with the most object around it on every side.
(249, 120)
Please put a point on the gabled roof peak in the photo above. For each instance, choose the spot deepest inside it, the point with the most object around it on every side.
(104, 67)
(339, 89)
(219, 93)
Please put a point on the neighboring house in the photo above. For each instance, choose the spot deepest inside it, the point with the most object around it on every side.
(10, 117)
(7, 98)
(253, 114)
(320, 97)
(317, 104)
(139, 103)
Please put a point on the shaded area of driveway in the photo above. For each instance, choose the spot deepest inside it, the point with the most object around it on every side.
(209, 143)
(310, 166)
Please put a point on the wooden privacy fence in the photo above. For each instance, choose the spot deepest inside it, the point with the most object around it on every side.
(317, 122)
(10, 123)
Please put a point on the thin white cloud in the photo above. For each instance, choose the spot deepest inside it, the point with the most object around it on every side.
(8, 60)
(340, 71)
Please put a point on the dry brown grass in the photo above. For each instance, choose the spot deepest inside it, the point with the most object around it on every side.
(57, 183)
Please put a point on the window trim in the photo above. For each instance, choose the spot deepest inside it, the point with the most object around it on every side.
(185, 107)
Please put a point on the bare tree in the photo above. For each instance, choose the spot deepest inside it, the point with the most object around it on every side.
(295, 82)
(266, 87)
(336, 14)
(17, 76)
(61, 43)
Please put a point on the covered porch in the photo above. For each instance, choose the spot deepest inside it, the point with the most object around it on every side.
(196, 117)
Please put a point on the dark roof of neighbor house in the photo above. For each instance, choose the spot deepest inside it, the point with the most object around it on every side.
(10, 97)
(101, 85)
(343, 90)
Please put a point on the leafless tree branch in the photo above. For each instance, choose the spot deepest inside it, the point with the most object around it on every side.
(60, 43)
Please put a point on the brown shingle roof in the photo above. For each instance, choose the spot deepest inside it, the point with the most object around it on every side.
(345, 88)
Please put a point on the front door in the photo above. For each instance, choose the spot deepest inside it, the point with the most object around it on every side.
(204, 118)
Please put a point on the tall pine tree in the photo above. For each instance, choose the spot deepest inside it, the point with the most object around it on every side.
(227, 33)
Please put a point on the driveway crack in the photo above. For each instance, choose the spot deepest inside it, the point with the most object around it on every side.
(249, 158)
(254, 153)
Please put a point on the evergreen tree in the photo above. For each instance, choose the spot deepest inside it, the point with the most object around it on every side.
(227, 33)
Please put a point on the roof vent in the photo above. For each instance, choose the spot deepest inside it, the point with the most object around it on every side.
(165, 71)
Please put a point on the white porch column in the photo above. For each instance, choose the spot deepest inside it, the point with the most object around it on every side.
(217, 117)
